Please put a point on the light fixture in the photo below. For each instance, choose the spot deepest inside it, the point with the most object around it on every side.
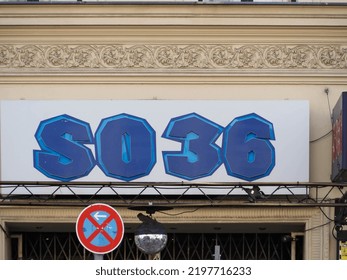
(150, 236)
(287, 238)
(254, 193)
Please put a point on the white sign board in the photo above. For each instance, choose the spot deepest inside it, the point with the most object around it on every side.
(155, 141)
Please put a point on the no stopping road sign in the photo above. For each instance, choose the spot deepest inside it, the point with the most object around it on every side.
(100, 228)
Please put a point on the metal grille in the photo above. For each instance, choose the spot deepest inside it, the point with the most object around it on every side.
(182, 246)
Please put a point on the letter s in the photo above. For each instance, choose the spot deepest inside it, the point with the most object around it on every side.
(63, 156)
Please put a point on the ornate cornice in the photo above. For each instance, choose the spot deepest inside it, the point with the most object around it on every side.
(195, 58)
(233, 14)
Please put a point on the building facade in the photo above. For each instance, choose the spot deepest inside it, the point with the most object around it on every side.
(181, 51)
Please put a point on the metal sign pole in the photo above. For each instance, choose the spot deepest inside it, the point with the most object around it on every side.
(216, 254)
(98, 257)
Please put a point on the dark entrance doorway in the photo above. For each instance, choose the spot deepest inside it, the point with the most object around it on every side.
(180, 246)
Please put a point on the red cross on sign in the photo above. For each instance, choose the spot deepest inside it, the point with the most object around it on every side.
(100, 228)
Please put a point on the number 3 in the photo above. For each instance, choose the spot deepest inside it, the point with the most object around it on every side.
(199, 156)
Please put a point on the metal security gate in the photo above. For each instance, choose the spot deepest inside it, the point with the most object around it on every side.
(180, 246)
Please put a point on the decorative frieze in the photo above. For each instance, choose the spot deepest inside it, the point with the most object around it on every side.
(194, 58)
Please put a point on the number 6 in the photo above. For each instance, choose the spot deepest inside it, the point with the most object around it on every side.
(247, 151)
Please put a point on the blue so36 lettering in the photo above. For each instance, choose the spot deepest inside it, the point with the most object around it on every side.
(125, 147)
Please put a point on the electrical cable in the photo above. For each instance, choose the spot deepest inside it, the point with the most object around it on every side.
(333, 233)
(326, 216)
(331, 118)
(321, 137)
(181, 213)
(322, 225)
(329, 107)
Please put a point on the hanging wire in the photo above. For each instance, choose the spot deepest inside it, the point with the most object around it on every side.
(319, 226)
(333, 230)
(326, 90)
(321, 137)
(181, 213)
(325, 215)
(329, 107)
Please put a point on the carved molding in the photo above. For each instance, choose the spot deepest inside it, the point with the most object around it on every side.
(195, 58)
